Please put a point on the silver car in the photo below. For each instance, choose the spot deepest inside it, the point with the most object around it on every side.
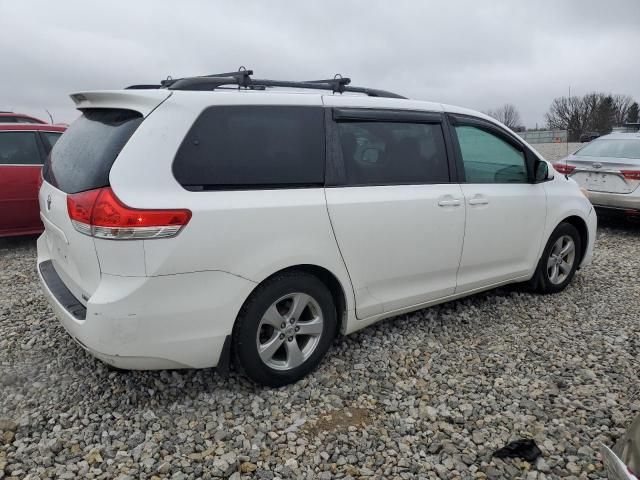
(609, 169)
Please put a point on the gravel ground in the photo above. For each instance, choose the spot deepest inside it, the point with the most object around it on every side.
(426, 395)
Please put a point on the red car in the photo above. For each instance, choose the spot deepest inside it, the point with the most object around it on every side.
(10, 117)
(23, 149)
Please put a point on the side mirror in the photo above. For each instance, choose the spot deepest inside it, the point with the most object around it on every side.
(542, 172)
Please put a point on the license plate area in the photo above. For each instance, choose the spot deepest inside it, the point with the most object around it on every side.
(56, 242)
(602, 182)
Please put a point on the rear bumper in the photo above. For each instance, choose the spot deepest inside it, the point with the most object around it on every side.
(146, 323)
(615, 201)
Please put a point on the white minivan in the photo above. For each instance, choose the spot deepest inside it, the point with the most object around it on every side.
(226, 220)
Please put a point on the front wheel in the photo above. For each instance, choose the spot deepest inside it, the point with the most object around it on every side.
(284, 329)
(559, 260)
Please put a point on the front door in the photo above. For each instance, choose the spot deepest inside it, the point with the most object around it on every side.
(397, 217)
(505, 210)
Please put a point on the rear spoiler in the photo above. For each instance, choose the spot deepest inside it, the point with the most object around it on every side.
(143, 101)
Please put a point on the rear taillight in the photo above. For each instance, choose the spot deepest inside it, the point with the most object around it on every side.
(564, 168)
(631, 174)
(99, 213)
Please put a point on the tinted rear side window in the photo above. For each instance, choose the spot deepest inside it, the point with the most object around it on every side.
(19, 148)
(384, 153)
(236, 147)
(83, 156)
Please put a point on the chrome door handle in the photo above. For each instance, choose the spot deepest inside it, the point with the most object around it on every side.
(478, 200)
(451, 202)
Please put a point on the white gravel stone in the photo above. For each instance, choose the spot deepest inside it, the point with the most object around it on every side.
(425, 395)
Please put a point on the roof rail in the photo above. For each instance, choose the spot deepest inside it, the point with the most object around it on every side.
(242, 79)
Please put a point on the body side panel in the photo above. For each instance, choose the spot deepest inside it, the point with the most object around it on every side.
(248, 233)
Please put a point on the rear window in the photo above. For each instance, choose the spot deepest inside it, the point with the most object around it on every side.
(82, 158)
(620, 148)
(50, 139)
(244, 147)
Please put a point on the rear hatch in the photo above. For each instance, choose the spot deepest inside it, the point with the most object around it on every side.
(81, 161)
(610, 166)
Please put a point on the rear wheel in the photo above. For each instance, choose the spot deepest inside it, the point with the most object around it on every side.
(559, 261)
(284, 329)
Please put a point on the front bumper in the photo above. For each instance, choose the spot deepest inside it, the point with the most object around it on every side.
(592, 227)
(147, 323)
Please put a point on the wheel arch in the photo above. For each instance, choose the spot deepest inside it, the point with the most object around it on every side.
(581, 225)
(330, 280)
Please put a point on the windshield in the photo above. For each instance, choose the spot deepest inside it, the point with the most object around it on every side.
(621, 148)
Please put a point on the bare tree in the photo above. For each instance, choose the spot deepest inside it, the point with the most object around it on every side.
(594, 112)
(507, 114)
(568, 113)
(621, 105)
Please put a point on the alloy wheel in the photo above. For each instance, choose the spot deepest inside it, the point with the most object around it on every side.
(561, 259)
(289, 331)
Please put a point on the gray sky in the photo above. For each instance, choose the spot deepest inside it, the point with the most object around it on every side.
(477, 54)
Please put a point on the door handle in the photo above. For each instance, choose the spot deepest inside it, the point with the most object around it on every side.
(449, 202)
(478, 200)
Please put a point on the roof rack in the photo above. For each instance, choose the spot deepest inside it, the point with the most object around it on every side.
(242, 79)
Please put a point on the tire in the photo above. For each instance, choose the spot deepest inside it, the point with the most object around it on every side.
(284, 329)
(550, 279)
